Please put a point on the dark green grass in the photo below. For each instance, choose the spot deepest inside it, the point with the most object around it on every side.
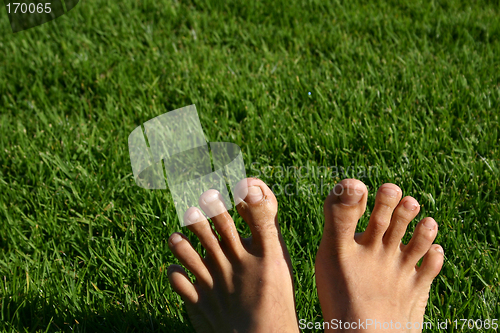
(408, 88)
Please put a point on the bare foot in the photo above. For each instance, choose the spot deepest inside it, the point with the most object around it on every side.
(371, 277)
(242, 285)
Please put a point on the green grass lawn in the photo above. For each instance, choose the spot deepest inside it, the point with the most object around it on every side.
(409, 90)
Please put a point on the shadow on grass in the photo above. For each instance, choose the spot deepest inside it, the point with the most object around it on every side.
(35, 314)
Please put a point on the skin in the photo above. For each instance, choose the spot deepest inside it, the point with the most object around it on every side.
(242, 285)
(372, 275)
(245, 285)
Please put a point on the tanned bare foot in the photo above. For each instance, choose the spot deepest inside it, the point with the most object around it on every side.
(242, 285)
(371, 277)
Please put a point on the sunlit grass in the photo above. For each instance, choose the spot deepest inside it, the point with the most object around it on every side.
(408, 90)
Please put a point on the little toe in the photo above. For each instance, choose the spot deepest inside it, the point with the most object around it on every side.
(181, 284)
(213, 205)
(191, 259)
(343, 207)
(388, 197)
(404, 213)
(431, 264)
(258, 208)
(422, 239)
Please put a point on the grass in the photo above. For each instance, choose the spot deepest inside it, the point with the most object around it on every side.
(409, 90)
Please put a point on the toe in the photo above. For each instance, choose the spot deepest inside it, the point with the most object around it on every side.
(343, 207)
(181, 284)
(183, 251)
(422, 239)
(404, 213)
(387, 199)
(431, 264)
(207, 236)
(259, 208)
(213, 205)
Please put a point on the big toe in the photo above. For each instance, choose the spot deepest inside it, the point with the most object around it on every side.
(343, 207)
(258, 207)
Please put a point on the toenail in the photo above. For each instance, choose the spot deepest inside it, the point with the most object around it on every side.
(410, 205)
(175, 238)
(389, 191)
(211, 196)
(194, 216)
(439, 249)
(429, 224)
(254, 194)
(348, 196)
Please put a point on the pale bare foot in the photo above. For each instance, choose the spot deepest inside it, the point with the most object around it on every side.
(371, 276)
(242, 285)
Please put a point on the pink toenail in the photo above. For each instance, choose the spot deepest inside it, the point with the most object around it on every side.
(194, 216)
(440, 249)
(175, 238)
(389, 191)
(429, 224)
(211, 196)
(348, 195)
(254, 194)
(410, 205)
